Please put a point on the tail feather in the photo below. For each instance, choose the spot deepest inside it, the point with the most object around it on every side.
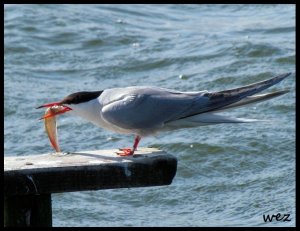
(211, 118)
(222, 99)
(205, 119)
(254, 99)
(238, 96)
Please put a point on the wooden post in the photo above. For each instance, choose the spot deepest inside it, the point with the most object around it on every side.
(29, 210)
(29, 181)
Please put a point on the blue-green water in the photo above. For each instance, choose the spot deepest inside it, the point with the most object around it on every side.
(228, 175)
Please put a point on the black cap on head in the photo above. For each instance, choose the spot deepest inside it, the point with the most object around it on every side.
(81, 97)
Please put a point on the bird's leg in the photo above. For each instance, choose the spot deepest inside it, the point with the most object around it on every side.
(129, 151)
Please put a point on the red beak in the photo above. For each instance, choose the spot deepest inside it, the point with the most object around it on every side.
(60, 109)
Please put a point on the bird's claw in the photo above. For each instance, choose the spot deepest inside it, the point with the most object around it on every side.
(125, 152)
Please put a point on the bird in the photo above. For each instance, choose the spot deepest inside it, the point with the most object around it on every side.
(147, 110)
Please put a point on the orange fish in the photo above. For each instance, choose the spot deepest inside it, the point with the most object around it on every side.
(50, 126)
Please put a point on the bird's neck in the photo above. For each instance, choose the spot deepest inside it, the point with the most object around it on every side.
(88, 110)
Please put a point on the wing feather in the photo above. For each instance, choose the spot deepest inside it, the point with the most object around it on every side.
(148, 108)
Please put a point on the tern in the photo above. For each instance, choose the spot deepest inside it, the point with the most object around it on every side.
(147, 110)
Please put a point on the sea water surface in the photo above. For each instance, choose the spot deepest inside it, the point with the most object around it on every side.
(228, 175)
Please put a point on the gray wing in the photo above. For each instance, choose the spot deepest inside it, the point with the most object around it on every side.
(149, 107)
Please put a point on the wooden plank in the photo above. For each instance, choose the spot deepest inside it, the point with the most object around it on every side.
(86, 170)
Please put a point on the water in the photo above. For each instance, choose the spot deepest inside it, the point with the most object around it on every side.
(228, 175)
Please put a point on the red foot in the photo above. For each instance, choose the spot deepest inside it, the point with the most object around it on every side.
(125, 152)
(129, 151)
